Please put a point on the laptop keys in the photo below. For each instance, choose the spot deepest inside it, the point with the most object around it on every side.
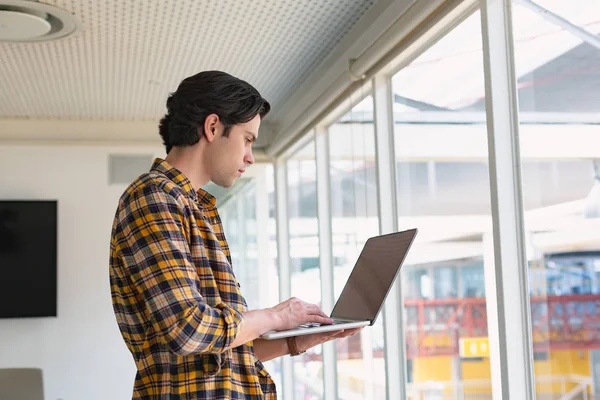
(309, 325)
(316, 324)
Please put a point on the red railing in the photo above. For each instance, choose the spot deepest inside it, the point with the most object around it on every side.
(435, 327)
(566, 322)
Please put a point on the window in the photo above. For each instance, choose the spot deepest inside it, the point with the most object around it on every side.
(361, 367)
(304, 260)
(239, 223)
(558, 76)
(445, 282)
(473, 281)
(250, 274)
(253, 245)
(443, 189)
(268, 255)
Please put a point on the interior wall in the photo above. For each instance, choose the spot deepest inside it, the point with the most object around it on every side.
(81, 351)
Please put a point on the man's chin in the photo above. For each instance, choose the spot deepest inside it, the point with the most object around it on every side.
(225, 185)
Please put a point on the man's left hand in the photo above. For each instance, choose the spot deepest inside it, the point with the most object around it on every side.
(305, 342)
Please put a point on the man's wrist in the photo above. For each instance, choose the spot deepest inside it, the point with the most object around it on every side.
(266, 320)
(293, 348)
(273, 320)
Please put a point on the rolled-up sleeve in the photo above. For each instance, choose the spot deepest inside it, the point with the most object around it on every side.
(155, 228)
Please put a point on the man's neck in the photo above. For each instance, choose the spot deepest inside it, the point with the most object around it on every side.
(188, 161)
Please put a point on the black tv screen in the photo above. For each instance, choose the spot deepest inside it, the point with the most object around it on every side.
(28, 259)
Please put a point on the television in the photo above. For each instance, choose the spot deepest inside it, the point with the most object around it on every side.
(28, 258)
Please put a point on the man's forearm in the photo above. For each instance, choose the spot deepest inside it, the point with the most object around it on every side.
(266, 350)
(255, 323)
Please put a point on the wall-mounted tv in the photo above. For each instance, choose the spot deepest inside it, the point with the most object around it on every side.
(28, 258)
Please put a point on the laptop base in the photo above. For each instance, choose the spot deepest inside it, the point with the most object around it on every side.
(336, 326)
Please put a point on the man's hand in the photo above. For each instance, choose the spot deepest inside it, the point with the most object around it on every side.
(305, 342)
(294, 312)
(269, 349)
(287, 315)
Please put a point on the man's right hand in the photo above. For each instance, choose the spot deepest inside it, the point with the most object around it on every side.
(294, 312)
(287, 315)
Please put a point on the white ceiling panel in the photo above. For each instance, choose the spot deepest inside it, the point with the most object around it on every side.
(130, 54)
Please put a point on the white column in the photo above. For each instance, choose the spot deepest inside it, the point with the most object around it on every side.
(283, 258)
(326, 256)
(266, 278)
(242, 266)
(395, 347)
(507, 289)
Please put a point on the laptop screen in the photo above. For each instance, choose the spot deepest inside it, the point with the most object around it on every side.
(372, 277)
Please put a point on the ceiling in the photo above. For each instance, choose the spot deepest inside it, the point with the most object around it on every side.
(129, 55)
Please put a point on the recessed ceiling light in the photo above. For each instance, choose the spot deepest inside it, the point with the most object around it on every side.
(30, 21)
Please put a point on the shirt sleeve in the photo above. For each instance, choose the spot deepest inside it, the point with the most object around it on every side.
(154, 229)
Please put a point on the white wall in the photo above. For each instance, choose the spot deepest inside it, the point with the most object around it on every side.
(80, 351)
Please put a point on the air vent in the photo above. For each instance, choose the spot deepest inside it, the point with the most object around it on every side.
(30, 21)
(124, 168)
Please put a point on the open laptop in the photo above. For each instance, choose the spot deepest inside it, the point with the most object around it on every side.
(367, 287)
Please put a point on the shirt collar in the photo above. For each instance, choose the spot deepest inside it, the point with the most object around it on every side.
(201, 196)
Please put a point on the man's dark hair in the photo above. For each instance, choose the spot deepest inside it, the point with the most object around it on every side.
(210, 92)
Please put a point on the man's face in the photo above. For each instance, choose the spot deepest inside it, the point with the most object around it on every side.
(229, 156)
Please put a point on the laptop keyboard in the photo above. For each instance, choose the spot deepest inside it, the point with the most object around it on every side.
(309, 325)
(316, 324)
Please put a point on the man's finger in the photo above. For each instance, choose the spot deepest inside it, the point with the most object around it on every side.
(351, 332)
(314, 309)
(338, 334)
(321, 319)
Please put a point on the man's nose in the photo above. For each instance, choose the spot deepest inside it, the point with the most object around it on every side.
(249, 159)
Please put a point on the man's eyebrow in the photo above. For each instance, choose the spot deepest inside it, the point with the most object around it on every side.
(253, 135)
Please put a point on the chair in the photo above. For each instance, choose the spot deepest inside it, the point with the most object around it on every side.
(21, 384)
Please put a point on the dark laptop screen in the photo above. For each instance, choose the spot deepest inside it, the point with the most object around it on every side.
(373, 276)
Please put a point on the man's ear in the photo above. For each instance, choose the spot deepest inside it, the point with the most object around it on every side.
(211, 123)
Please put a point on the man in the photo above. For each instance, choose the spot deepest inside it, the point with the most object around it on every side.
(175, 296)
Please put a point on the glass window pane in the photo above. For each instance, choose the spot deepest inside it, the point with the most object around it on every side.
(304, 261)
(443, 189)
(445, 282)
(249, 274)
(361, 367)
(473, 284)
(558, 77)
(273, 366)
(238, 215)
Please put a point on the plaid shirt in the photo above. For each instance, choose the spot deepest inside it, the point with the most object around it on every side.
(175, 296)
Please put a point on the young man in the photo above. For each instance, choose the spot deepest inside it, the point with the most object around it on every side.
(175, 296)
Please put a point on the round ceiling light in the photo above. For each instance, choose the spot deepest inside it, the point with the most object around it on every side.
(30, 21)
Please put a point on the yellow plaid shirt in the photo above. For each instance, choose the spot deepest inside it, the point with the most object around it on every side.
(175, 296)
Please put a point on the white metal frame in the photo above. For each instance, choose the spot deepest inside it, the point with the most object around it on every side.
(242, 234)
(576, 30)
(283, 259)
(326, 256)
(395, 348)
(262, 236)
(380, 88)
(354, 97)
(474, 117)
(508, 305)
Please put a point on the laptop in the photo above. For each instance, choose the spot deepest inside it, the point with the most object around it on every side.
(367, 287)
